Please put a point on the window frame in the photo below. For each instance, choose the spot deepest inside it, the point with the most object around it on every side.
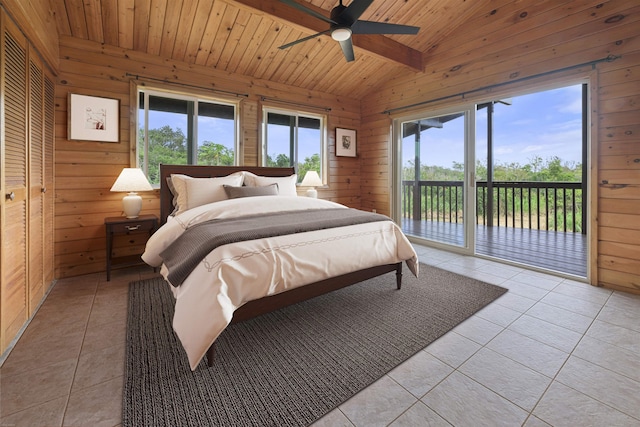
(186, 95)
(323, 172)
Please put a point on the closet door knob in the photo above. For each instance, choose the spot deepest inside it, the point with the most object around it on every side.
(43, 189)
(10, 196)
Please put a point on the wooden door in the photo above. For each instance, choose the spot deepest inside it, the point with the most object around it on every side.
(49, 202)
(36, 183)
(13, 211)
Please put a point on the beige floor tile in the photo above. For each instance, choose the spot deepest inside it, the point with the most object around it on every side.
(510, 379)
(479, 330)
(533, 421)
(515, 302)
(35, 351)
(620, 360)
(334, 418)
(561, 317)
(524, 290)
(34, 387)
(453, 349)
(379, 404)
(616, 335)
(99, 337)
(98, 367)
(48, 414)
(97, 406)
(465, 403)
(563, 406)
(583, 291)
(608, 387)
(540, 357)
(420, 373)
(419, 415)
(499, 314)
(621, 316)
(547, 333)
(576, 305)
(542, 281)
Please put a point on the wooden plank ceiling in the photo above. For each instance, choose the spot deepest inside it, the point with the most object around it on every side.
(243, 36)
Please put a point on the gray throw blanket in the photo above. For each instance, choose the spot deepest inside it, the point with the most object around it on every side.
(183, 255)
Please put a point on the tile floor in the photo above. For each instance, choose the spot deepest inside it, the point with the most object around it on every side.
(551, 351)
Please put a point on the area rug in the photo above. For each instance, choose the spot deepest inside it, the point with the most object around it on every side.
(290, 367)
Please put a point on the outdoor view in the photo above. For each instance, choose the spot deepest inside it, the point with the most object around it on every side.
(536, 174)
(173, 123)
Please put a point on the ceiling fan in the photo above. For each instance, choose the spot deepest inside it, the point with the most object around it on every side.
(344, 22)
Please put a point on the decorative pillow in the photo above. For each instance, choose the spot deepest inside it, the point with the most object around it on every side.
(192, 192)
(286, 184)
(237, 192)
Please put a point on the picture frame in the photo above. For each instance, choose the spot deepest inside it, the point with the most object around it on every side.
(345, 142)
(93, 118)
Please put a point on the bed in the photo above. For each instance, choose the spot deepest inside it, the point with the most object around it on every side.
(230, 279)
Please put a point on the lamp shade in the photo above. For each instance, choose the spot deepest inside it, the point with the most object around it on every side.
(131, 180)
(311, 179)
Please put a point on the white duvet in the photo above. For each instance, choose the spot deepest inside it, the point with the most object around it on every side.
(234, 274)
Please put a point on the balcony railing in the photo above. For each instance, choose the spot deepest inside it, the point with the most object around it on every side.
(554, 206)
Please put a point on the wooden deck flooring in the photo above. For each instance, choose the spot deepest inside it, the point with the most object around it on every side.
(558, 251)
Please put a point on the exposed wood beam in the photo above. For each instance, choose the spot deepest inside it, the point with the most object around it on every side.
(378, 45)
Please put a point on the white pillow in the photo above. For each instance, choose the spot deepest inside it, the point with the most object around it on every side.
(192, 192)
(286, 184)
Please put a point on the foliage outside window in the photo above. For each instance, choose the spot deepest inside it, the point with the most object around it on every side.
(294, 139)
(184, 129)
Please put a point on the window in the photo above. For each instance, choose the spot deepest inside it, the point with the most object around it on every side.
(294, 139)
(184, 129)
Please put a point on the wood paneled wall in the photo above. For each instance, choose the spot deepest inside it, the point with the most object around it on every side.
(86, 170)
(491, 54)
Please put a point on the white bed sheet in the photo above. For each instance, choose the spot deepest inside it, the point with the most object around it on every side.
(234, 274)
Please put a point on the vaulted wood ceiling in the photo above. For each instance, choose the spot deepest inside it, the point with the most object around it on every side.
(243, 36)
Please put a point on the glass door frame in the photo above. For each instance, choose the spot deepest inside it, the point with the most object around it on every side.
(469, 189)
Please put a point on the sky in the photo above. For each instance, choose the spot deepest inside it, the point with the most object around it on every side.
(543, 124)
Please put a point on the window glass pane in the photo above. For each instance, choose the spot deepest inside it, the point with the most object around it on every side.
(280, 137)
(309, 145)
(216, 134)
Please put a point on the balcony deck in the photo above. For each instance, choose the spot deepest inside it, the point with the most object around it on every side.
(558, 251)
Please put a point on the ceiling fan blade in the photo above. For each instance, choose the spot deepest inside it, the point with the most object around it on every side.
(371, 27)
(347, 49)
(304, 39)
(308, 11)
(354, 10)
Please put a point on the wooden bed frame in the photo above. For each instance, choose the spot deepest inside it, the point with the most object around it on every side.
(271, 303)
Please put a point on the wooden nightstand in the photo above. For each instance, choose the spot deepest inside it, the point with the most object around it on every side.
(119, 225)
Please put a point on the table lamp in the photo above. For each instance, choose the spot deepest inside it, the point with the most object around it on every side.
(311, 179)
(132, 180)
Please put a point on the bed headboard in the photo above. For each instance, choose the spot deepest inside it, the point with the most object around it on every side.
(200, 171)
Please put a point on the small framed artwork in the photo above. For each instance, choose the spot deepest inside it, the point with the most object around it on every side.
(345, 142)
(93, 118)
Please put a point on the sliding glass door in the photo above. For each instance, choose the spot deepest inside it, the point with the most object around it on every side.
(433, 200)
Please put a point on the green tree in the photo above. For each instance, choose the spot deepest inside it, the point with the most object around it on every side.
(167, 146)
(210, 153)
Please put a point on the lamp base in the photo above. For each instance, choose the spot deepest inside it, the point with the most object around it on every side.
(313, 193)
(131, 205)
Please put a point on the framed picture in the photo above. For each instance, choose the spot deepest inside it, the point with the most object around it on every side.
(93, 118)
(345, 142)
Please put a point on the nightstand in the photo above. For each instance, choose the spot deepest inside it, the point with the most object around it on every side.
(119, 225)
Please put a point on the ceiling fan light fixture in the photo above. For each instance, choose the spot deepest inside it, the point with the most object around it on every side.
(341, 34)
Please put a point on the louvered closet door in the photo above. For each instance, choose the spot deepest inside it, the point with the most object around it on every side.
(49, 141)
(13, 258)
(36, 182)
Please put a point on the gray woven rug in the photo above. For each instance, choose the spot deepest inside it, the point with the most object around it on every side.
(290, 367)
